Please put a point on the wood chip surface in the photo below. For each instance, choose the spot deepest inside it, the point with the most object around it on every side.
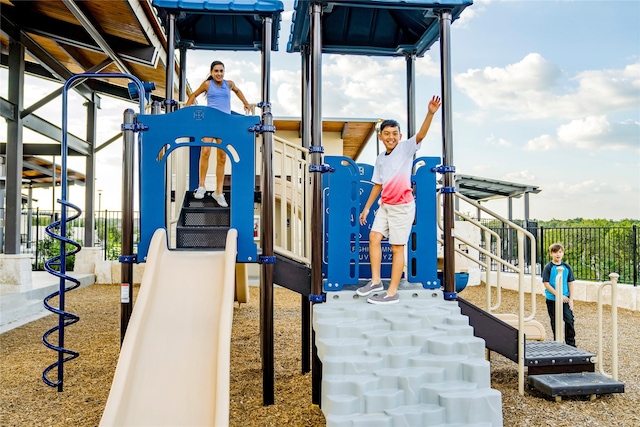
(26, 401)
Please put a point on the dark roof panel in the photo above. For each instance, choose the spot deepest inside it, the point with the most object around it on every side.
(480, 189)
(373, 27)
(221, 25)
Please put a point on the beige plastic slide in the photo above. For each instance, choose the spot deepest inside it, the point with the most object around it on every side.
(174, 361)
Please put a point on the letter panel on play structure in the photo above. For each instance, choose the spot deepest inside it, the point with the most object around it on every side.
(186, 128)
(345, 258)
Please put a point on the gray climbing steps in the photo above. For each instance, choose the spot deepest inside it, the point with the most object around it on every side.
(415, 363)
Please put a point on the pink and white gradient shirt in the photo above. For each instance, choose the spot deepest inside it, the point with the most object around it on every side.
(393, 171)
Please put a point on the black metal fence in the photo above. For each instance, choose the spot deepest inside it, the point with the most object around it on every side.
(107, 234)
(592, 252)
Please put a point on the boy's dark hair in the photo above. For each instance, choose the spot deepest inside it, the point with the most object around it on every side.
(556, 247)
(388, 123)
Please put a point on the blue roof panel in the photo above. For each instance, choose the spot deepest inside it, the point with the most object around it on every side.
(222, 24)
(373, 27)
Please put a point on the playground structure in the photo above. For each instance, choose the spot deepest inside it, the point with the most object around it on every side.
(332, 268)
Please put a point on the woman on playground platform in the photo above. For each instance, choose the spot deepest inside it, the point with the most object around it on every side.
(218, 93)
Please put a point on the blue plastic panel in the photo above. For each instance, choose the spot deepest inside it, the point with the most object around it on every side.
(422, 249)
(222, 25)
(373, 27)
(186, 128)
(340, 200)
(346, 246)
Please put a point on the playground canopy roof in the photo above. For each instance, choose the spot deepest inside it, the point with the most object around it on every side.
(38, 172)
(63, 38)
(355, 133)
(482, 189)
(373, 27)
(221, 25)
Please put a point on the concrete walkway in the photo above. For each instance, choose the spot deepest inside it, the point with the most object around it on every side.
(17, 309)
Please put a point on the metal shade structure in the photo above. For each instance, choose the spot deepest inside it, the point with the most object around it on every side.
(223, 25)
(483, 189)
(373, 27)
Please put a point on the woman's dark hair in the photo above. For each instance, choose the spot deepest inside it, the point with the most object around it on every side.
(213, 64)
(388, 123)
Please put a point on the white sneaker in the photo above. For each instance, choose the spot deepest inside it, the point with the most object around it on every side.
(219, 198)
(199, 193)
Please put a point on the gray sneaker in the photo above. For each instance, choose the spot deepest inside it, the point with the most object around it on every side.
(219, 198)
(369, 288)
(383, 298)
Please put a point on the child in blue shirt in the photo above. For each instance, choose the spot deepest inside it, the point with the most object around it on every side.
(549, 274)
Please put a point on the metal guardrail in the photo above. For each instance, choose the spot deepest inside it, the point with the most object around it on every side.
(293, 205)
(518, 267)
(107, 234)
(590, 251)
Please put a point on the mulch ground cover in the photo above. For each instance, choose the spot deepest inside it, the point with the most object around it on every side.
(26, 401)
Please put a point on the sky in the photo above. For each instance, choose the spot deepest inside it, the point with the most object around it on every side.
(545, 93)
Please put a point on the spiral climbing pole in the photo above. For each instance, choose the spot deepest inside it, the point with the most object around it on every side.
(65, 318)
(68, 247)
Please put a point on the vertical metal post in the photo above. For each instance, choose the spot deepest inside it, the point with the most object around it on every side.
(90, 167)
(53, 188)
(510, 248)
(171, 53)
(29, 217)
(447, 151)
(14, 148)
(316, 182)
(126, 277)
(634, 254)
(266, 223)
(306, 142)
(410, 59)
(306, 96)
(559, 287)
(182, 84)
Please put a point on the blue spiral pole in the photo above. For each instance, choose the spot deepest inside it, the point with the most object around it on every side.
(65, 318)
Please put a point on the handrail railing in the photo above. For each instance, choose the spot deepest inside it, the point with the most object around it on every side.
(291, 189)
(520, 269)
(614, 327)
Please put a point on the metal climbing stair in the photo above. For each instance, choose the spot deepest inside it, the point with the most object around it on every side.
(202, 223)
(554, 368)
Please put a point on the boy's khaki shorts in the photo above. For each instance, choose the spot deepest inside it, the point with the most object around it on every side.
(395, 222)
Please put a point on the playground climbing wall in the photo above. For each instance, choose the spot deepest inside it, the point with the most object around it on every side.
(413, 363)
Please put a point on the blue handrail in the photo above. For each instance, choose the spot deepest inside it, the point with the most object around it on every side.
(65, 318)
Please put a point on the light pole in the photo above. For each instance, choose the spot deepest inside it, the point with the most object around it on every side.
(99, 210)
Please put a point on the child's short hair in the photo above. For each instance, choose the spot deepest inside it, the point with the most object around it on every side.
(388, 123)
(556, 247)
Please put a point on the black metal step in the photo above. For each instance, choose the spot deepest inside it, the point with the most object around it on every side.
(499, 336)
(205, 216)
(201, 237)
(551, 357)
(292, 274)
(202, 223)
(575, 384)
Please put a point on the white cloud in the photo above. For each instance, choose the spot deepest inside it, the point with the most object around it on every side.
(598, 132)
(519, 176)
(501, 142)
(512, 87)
(288, 100)
(529, 90)
(592, 132)
(471, 13)
(541, 143)
(425, 66)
